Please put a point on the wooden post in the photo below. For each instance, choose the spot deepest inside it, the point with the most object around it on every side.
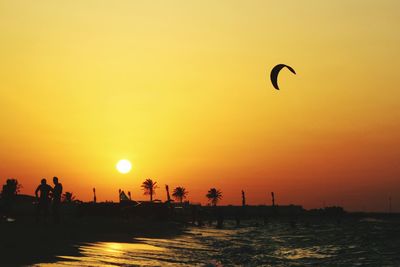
(168, 196)
(273, 199)
(94, 195)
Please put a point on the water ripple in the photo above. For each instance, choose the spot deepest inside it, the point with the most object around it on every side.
(365, 243)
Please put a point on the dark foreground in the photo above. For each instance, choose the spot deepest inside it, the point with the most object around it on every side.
(148, 235)
(316, 241)
(353, 242)
(25, 242)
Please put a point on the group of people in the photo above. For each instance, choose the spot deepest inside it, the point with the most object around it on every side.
(47, 197)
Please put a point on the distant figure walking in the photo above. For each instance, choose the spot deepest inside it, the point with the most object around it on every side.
(43, 199)
(57, 193)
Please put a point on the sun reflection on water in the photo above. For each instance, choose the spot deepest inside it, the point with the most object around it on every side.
(269, 245)
(301, 253)
(110, 254)
(123, 247)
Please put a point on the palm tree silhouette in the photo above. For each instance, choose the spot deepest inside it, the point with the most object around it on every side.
(68, 197)
(214, 195)
(180, 193)
(149, 188)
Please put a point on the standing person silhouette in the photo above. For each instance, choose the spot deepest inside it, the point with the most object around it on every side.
(43, 199)
(57, 193)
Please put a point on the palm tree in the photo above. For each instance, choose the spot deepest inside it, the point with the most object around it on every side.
(149, 188)
(214, 195)
(68, 197)
(180, 193)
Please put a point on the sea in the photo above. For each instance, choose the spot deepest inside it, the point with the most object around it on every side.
(364, 242)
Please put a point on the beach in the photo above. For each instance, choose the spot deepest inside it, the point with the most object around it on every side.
(354, 241)
(25, 242)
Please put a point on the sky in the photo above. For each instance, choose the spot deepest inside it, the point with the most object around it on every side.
(182, 90)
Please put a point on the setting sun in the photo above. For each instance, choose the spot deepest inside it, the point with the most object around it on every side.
(124, 166)
(154, 132)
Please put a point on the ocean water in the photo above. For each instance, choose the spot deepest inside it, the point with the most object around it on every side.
(366, 242)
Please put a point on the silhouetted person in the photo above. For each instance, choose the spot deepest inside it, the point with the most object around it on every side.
(57, 193)
(43, 199)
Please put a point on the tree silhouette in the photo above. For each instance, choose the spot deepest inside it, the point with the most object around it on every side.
(149, 188)
(68, 197)
(180, 193)
(214, 195)
(9, 191)
(10, 188)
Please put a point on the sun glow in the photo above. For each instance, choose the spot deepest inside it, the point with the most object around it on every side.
(124, 166)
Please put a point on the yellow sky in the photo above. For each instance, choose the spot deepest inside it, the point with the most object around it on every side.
(181, 89)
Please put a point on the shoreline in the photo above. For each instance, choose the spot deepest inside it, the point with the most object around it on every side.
(27, 243)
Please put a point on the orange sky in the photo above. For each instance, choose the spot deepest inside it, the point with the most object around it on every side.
(180, 88)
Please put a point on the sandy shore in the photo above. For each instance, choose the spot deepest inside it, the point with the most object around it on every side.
(26, 242)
